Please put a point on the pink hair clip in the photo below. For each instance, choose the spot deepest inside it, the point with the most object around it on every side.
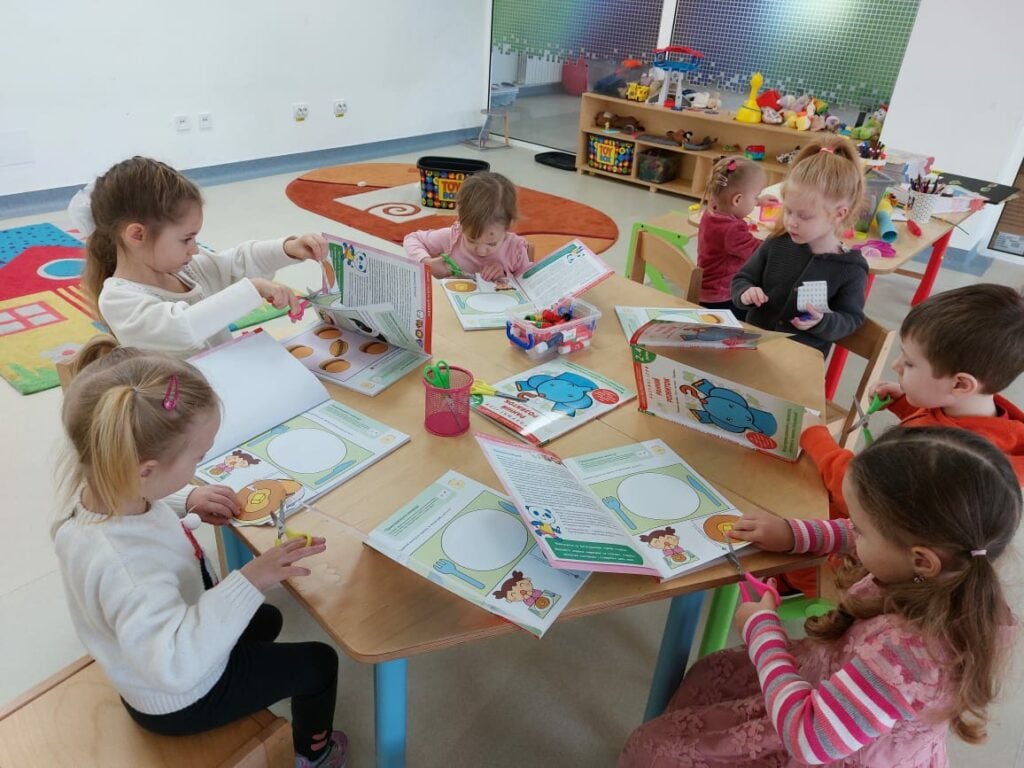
(171, 395)
(730, 166)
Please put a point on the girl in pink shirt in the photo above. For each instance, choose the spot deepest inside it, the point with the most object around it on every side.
(479, 242)
(915, 648)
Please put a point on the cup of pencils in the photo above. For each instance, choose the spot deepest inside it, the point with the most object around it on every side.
(446, 399)
(924, 198)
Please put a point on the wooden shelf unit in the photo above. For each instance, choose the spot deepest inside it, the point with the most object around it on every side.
(695, 165)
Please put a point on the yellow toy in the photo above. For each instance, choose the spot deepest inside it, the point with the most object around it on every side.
(638, 92)
(750, 112)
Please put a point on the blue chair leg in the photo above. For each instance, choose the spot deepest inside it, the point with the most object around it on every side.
(680, 627)
(389, 701)
(236, 554)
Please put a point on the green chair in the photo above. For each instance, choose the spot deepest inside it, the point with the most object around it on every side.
(657, 254)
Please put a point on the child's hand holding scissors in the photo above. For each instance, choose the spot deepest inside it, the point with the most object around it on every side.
(744, 611)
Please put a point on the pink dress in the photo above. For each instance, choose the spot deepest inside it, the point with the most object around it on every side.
(428, 243)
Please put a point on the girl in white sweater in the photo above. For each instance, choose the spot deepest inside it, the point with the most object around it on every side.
(151, 283)
(186, 655)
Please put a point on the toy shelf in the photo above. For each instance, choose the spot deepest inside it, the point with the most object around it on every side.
(695, 165)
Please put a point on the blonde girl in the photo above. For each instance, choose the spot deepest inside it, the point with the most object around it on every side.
(151, 283)
(186, 654)
(479, 242)
(915, 648)
(820, 197)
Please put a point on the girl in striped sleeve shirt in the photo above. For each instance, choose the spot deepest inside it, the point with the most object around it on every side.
(915, 648)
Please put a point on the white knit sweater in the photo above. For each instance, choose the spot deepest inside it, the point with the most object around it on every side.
(183, 324)
(135, 593)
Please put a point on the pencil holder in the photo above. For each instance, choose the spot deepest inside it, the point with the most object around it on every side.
(921, 206)
(446, 411)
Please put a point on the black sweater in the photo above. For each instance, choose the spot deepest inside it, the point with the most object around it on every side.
(779, 267)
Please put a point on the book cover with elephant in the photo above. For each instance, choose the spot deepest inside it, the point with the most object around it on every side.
(675, 390)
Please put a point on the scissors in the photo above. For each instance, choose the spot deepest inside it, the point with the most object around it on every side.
(483, 388)
(285, 533)
(438, 374)
(750, 582)
(296, 314)
(864, 419)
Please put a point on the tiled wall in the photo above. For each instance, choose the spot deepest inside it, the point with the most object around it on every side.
(844, 51)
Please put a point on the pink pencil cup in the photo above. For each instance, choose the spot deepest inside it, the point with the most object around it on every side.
(446, 411)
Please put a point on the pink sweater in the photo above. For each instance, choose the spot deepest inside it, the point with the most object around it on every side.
(428, 243)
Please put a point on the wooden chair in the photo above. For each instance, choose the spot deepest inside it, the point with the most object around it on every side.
(873, 342)
(659, 254)
(76, 719)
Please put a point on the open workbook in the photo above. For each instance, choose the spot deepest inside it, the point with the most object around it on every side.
(375, 319)
(568, 271)
(631, 318)
(469, 539)
(281, 436)
(635, 509)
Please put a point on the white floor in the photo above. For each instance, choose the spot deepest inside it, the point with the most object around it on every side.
(569, 700)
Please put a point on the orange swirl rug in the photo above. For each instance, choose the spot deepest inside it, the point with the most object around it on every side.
(381, 199)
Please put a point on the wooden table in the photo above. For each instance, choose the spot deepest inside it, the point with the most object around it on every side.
(381, 613)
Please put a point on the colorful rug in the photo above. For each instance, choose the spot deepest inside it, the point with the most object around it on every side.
(44, 317)
(383, 200)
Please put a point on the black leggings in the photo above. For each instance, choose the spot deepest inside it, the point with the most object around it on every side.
(261, 672)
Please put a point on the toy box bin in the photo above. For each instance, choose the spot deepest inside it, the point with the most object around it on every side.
(503, 95)
(657, 166)
(609, 154)
(441, 177)
(562, 339)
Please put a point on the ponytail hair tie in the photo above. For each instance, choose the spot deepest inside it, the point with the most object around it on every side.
(830, 150)
(979, 552)
(171, 395)
(730, 166)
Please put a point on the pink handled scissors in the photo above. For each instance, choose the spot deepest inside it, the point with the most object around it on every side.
(750, 582)
(296, 314)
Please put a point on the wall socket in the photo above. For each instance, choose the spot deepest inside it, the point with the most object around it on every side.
(182, 123)
(300, 111)
(340, 108)
(205, 121)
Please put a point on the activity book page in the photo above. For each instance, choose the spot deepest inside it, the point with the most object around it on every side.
(631, 318)
(672, 332)
(376, 319)
(549, 400)
(568, 271)
(282, 439)
(470, 540)
(635, 509)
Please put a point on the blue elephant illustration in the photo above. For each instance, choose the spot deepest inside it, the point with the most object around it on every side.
(727, 409)
(568, 391)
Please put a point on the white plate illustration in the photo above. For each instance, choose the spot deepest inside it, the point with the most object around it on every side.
(306, 451)
(657, 496)
(484, 539)
(490, 302)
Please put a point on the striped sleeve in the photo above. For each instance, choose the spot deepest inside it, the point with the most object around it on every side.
(821, 537)
(858, 704)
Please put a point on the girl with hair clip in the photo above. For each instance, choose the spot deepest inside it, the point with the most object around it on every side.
(146, 275)
(724, 240)
(186, 654)
(821, 195)
(915, 648)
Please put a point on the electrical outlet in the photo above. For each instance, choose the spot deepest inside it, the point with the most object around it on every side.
(205, 121)
(182, 123)
(300, 111)
(340, 108)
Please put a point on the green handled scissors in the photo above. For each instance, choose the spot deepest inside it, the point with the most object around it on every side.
(438, 374)
(864, 419)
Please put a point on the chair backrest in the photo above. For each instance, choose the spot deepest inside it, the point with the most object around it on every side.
(873, 342)
(649, 249)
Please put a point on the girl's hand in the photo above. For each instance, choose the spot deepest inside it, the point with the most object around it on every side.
(753, 296)
(886, 389)
(276, 564)
(814, 317)
(215, 504)
(439, 267)
(280, 296)
(770, 532)
(492, 271)
(309, 246)
(745, 610)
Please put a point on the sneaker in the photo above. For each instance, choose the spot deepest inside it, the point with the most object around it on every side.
(336, 755)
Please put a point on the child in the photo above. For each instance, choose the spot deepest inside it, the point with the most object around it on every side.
(479, 242)
(146, 275)
(724, 241)
(914, 649)
(185, 655)
(821, 194)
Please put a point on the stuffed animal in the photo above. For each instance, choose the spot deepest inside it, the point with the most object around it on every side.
(770, 116)
(627, 123)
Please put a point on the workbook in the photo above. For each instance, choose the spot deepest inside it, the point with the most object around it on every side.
(671, 332)
(549, 400)
(634, 509)
(569, 271)
(631, 318)
(281, 436)
(470, 540)
(375, 312)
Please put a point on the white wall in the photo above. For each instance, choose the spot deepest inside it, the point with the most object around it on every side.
(959, 96)
(85, 84)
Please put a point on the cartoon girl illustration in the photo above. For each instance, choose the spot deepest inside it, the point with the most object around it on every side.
(234, 460)
(666, 540)
(518, 588)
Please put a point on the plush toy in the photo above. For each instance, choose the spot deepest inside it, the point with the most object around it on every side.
(817, 123)
(770, 116)
(770, 99)
(832, 123)
(802, 122)
(627, 123)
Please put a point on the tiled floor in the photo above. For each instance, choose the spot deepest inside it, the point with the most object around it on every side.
(569, 700)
